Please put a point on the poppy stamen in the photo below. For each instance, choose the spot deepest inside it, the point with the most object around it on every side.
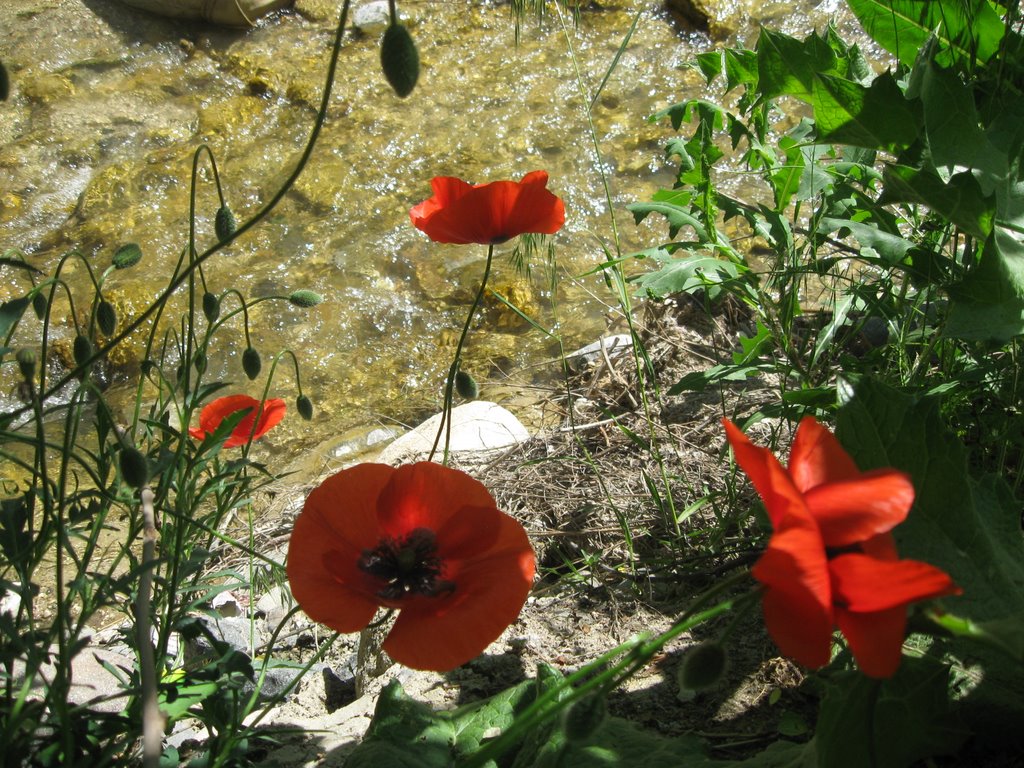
(407, 566)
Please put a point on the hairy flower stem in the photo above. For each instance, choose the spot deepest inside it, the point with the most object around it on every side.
(445, 427)
(598, 677)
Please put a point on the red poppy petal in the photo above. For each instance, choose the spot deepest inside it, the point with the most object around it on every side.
(488, 213)
(216, 411)
(426, 495)
(875, 639)
(880, 547)
(337, 523)
(797, 601)
(850, 511)
(865, 584)
(273, 412)
(444, 632)
(817, 457)
(770, 480)
(470, 531)
(535, 208)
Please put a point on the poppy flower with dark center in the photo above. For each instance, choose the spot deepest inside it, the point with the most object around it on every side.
(831, 560)
(460, 212)
(265, 415)
(423, 539)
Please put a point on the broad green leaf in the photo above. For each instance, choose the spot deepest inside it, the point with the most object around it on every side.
(698, 381)
(865, 723)
(875, 117)
(891, 247)
(689, 274)
(740, 68)
(989, 303)
(971, 528)
(786, 177)
(11, 312)
(968, 31)
(960, 200)
(953, 127)
(405, 732)
(790, 67)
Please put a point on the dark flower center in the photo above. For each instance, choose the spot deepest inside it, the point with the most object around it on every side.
(407, 566)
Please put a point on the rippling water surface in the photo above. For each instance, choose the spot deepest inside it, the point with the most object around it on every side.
(110, 104)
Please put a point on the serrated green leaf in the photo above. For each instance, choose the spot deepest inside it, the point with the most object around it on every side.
(677, 217)
(967, 31)
(790, 67)
(689, 274)
(891, 247)
(875, 117)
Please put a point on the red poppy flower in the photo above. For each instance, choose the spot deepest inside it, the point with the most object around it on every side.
(460, 212)
(266, 415)
(421, 538)
(832, 560)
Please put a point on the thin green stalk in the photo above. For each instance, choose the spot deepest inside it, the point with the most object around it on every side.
(445, 427)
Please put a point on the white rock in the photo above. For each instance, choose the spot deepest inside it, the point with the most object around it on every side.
(476, 426)
(371, 18)
(614, 346)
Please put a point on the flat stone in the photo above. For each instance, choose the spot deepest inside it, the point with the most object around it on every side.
(371, 18)
(479, 426)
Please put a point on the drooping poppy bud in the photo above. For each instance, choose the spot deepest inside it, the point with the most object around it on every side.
(40, 304)
(200, 363)
(211, 307)
(251, 363)
(128, 255)
(5, 83)
(305, 407)
(305, 299)
(26, 363)
(106, 318)
(134, 467)
(466, 386)
(703, 666)
(81, 349)
(224, 223)
(399, 59)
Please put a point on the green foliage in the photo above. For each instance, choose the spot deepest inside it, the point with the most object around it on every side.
(890, 723)
(971, 528)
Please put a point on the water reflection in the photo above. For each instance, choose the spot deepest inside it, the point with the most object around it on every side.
(103, 128)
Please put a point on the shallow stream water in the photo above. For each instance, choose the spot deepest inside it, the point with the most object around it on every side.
(110, 104)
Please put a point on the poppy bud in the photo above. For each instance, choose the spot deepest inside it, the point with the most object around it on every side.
(224, 223)
(305, 299)
(106, 318)
(211, 307)
(466, 386)
(703, 666)
(399, 59)
(128, 255)
(147, 366)
(305, 407)
(200, 363)
(134, 467)
(40, 304)
(584, 717)
(81, 349)
(26, 363)
(251, 363)
(5, 83)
